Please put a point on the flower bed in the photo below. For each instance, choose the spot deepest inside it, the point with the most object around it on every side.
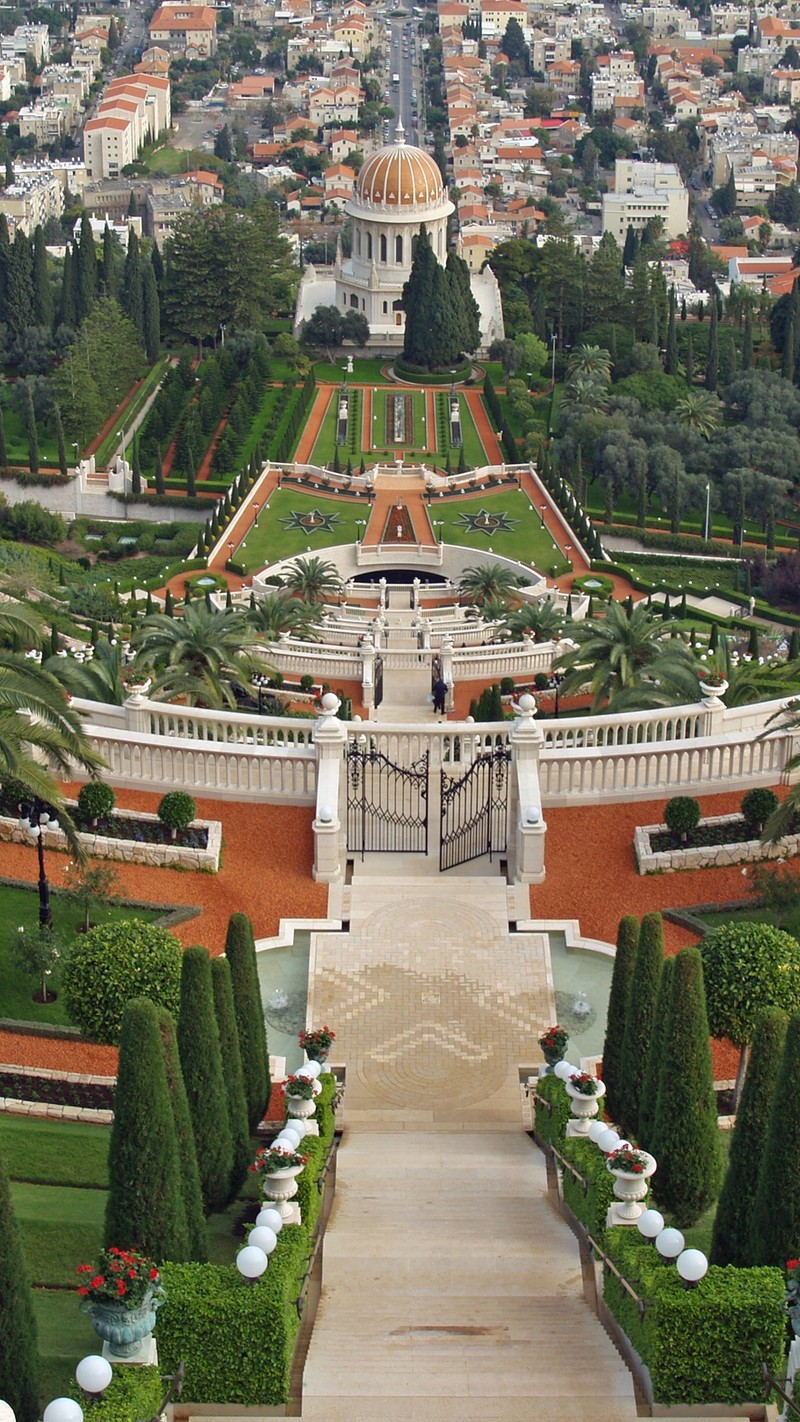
(717, 841)
(56, 1090)
(135, 839)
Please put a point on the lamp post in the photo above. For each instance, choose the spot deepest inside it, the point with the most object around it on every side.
(230, 549)
(35, 817)
(567, 551)
(708, 508)
(439, 523)
(360, 523)
(553, 340)
(558, 677)
(542, 512)
(255, 515)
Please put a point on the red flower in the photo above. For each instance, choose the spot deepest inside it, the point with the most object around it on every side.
(637, 1169)
(792, 1263)
(83, 1291)
(121, 1289)
(98, 1281)
(153, 1274)
(89, 1268)
(131, 1273)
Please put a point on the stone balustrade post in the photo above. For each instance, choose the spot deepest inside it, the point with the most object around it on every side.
(446, 658)
(368, 654)
(526, 818)
(137, 713)
(415, 593)
(330, 740)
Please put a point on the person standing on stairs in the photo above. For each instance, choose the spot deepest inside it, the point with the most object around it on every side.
(439, 697)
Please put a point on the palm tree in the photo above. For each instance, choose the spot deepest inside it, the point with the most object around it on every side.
(197, 656)
(781, 821)
(488, 582)
(630, 663)
(280, 612)
(39, 732)
(313, 579)
(584, 392)
(699, 409)
(590, 362)
(97, 680)
(542, 619)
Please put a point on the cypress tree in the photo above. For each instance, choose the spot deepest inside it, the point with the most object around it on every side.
(108, 264)
(191, 480)
(689, 362)
(417, 300)
(136, 469)
(712, 354)
(3, 445)
(42, 290)
(132, 284)
(686, 1133)
(639, 1024)
(159, 474)
(794, 641)
(671, 361)
(733, 1220)
(33, 434)
(775, 1227)
(169, 604)
(19, 1355)
(151, 313)
(20, 284)
(201, 1062)
(86, 284)
(60, 441)
(624, 960)
(184, 1140)
(145, 1209)
(232, 1068)
(68, 306)
(747, 343)
(5, 254)
(648, 1103)
(240, 950)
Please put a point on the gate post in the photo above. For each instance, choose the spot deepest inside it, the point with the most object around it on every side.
(330, 740)
(527, 825)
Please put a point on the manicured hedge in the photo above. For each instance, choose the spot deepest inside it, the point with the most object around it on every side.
(590, 1208)
(132, 1392)
(235, 1338)
(551, 1125)
(703, 1345)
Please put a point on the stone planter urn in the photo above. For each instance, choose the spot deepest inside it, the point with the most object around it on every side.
(125, 1330)
(630, 1189)
(712, 692)
(583, 1108)
(280, 1186)
(137, 692)
(298, 1107)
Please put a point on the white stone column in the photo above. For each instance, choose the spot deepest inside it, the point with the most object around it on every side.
(446, 657)
(526, 818)
(415, 591)
(368, 654)
(330, 740)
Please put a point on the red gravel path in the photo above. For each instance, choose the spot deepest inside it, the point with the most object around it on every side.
(483, 425)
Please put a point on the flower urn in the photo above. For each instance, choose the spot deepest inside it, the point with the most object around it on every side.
(711, 691)
(298, 1107)
(584, 1107)
(124, 1330)
(630, 1187)
(280, 1186)
(137, 691)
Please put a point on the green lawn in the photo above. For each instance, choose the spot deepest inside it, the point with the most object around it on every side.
(260, 421)
(17, 439)
(526, 541)
(21, 906)
(474, 452)
(272, 540)
(169, 161)
(365, 372)
(55, 1152)
(112, 439)
(790, 920)
(65, 1336)
(61, 1227)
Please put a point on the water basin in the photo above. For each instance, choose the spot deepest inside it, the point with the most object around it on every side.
(283, 978)
(577, 971)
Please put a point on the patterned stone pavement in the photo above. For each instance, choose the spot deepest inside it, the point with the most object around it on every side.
(435, 1002)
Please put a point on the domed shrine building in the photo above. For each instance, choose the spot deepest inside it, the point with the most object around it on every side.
(398, 189)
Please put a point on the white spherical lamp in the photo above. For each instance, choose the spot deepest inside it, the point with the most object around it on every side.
(63, 1409)
(313, 1069)
(669, 1244)
(7, 1413)
(650, 1224)
(250, 1262)
(597, 1129)
(316, 1087)
(609, 1141)
(692, 1266)
(305, 1072)
(262, 1237)
(93, 1374)
(563, 1070)
(272, 1218)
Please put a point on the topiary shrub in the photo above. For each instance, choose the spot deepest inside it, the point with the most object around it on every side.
(113, 963)
(756, 807)
(775, 1225)
(240, 951)
(95, 801)
(541, 681)
(132, 1392)
(682, 816)
(145, 1209)
(507, 686)
(730, 1237)
(747, 967)
(176, 810)
(184, 1140)
(232, 1072)
(201, 1064)
(639, 1021)
(589, 1204)
(551, 1110)
(624, 960)
(306, 681)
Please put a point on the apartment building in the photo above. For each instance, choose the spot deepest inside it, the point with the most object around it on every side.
(186, 30)
(642, 192)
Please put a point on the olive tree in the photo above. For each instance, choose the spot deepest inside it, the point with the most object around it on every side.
(747, 967)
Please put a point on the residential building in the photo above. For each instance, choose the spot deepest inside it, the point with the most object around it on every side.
(186, 30)
(642, 192)
(31, 200)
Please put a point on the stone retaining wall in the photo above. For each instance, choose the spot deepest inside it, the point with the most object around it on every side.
(48, 1110)
(130, 851)
(710, 856)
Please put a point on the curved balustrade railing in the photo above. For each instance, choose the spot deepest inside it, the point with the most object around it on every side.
(638, 755)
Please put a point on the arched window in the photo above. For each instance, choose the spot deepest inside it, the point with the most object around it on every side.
(383, 246)
(344, 299)
(363, 304)
(358, 240)
(385, 308)
(398, 251)
(369, 246)
(354, 301)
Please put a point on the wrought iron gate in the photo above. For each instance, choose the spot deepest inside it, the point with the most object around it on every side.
(474, 810)
(387, 804)
(378, 681)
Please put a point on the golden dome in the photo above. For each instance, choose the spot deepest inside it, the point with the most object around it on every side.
(399, 176)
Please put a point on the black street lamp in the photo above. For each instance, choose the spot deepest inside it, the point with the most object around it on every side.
(36, 817)
(542, 512)
(557, 678)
